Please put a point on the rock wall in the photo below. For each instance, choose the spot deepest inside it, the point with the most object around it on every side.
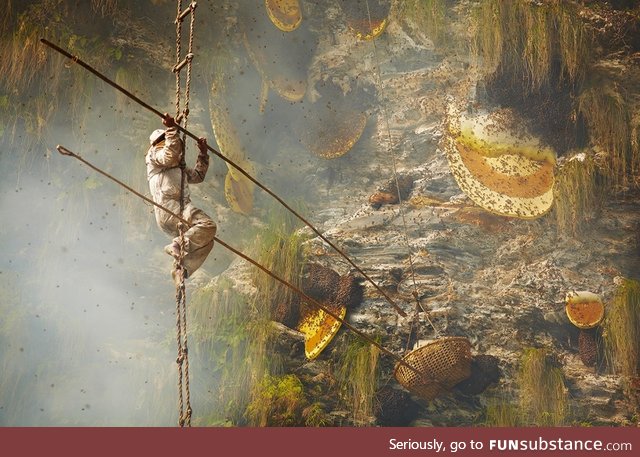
(500, 282)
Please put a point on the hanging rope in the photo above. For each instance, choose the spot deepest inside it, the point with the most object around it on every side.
(176, 69)
(182, 360)
(385, 114)
(145, 105)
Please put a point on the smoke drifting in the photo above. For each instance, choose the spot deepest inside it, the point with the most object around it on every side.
(87, 305)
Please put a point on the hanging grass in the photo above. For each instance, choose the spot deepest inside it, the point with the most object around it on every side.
(537, 46)
(236, 343)
(606, 111)
(104, 7)
(278, 248)
(281, 254)
(41, 85)
(130, 77)
(357, 373)
(428, 16)
(6, 17)
(543, 51)
(578, 194)
(22, 53)
(502, 412)
(575, 45)
(543, 399)
(622, 330)
(488, 39)
(524, 38)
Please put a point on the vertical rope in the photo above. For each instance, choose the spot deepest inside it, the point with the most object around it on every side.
(187, 91)
(187, 97)
(187, 391)
(179, 288)
(395, 175)
(178, 53)
(181, 294)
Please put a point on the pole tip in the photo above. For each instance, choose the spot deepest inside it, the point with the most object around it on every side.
(64, 151)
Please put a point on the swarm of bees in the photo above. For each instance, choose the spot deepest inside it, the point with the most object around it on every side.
(499, 165)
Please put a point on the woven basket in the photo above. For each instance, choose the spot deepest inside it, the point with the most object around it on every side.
(443, 362)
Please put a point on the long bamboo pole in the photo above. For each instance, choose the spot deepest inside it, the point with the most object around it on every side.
(64, 151)
(95, 72)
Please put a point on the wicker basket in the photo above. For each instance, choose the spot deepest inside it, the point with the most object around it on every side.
(444, 363)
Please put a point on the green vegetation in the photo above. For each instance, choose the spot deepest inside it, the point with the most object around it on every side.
(543, 400)
(235, 343)
(278, 248)
(502, 412)
(278, 402)
(607, 114)
(235, 335)
(577, 193)
(40, 85)
(315, 416)
(428, 16)
(104, 7)
(622, 333)
(357, 373)
(525, 39)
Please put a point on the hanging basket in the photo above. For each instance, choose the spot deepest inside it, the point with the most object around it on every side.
(443, 362)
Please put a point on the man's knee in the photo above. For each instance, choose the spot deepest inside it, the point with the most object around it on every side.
(211, 228)
(168, 225)
(205, 222)
(211, 225)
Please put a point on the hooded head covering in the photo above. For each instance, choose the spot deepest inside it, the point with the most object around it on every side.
(156, 136)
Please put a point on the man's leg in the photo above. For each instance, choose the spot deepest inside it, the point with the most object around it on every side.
(198, 239)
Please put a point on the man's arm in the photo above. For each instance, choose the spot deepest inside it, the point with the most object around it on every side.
(197, 174)
(169, 155)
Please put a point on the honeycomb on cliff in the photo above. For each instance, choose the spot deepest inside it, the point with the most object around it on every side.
(499, 165)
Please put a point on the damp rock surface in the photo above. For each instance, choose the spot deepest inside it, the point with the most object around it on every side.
(498, 281)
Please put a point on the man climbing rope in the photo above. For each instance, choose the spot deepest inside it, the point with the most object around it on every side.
(165, 180)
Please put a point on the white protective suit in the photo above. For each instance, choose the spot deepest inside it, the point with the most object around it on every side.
(163, 174)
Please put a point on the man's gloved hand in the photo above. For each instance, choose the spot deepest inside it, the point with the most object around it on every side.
(168, 120)
(202, 145)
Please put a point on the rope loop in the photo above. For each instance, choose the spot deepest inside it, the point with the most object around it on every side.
(181, 302)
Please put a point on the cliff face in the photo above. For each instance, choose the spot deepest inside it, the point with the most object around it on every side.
(499, 281)
(353, 114)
